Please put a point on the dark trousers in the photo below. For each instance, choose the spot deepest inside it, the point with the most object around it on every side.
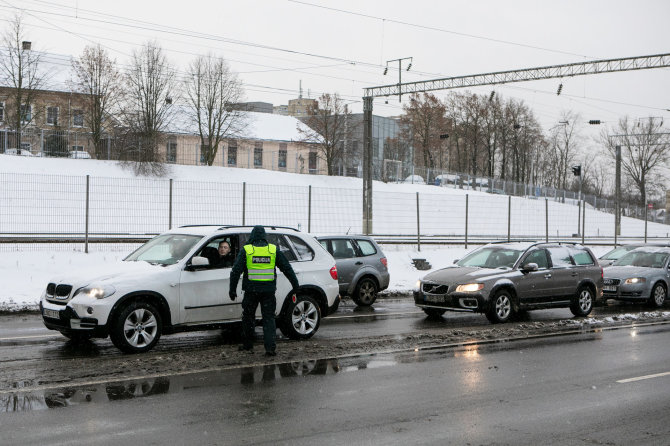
(249, 304)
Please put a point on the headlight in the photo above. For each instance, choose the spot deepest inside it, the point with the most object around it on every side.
(635, 280)
(418, 285)
(469, 288)
(96, 291)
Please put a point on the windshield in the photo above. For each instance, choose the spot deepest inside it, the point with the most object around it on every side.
(647, 259)
(617, 253)
(491, 257)
(165, 249)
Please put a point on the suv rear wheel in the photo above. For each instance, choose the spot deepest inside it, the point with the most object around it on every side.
(137, 328)
(583, 303)
(365, 292)
(302, 318)
(500, 308)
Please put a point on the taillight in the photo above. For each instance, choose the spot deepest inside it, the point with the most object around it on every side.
(602, 273)
(333, 272)
(384, 262)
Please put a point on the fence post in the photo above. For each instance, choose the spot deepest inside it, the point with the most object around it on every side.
(646, 206)
(509, 217)
(87, 208)
(244, 202)
(583, 219)
(309, 210)
(170, 207)
(466, 221)
(418, 227)
(546, 220)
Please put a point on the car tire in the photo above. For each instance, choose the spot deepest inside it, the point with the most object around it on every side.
(582, 304)
(301, 318)
(500, 309)
(434, 313)
(365, 292)
(136, 328)
(657, 296)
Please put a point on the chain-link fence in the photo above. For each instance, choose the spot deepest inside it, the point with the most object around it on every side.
(58, 206)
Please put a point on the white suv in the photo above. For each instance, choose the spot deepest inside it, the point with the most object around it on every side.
(176, 282)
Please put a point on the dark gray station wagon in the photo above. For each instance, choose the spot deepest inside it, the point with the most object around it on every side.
(362, 269)
(503, 278)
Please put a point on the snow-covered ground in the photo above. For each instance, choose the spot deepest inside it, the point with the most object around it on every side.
(46, 195)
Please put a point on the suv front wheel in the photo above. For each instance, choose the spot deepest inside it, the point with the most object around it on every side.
(500, 308)
(583, 303)
(302, 318)
(137, 328)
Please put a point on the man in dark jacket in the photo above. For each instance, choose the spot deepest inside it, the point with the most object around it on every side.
(257, 260)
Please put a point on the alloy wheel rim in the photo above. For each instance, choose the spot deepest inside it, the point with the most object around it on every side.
(659, 295)
(585, 300)
(140, 328)
(503, 307)
(304, 317)
(366, 292)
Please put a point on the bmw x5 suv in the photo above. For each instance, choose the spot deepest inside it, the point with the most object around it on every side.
(175, 282)
(501, 279)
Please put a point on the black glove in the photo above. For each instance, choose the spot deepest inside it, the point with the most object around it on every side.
(233, 295)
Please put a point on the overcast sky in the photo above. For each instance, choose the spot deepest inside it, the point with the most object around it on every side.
(342, 45)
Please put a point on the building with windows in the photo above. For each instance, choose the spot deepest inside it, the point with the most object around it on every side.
(268, 141)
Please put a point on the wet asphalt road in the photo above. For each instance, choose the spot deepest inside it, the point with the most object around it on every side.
(574, 389)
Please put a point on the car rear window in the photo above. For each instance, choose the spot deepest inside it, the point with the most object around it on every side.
(581, 257)
(367, 248)
(560, 257)
(303, 249)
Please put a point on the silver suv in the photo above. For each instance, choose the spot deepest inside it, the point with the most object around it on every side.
(175, 282)
(362, 269)
(500, 279)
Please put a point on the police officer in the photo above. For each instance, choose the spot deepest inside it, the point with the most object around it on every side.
(257, 261)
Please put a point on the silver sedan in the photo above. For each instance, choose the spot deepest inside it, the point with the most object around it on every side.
(642, 275)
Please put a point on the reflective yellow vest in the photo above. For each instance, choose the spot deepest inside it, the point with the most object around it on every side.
(261, 262)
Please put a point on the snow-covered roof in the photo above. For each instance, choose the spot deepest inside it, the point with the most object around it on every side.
(259, 126)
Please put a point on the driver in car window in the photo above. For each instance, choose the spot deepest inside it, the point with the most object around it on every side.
(226, 258)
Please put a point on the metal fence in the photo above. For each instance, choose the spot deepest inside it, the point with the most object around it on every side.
(82, 207)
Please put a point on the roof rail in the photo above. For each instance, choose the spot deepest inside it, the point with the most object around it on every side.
(265, 226)
(196, 226)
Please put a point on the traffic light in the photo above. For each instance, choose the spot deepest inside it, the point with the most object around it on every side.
(594, 121)
(493, 93)
(577, 170)
(560, 88)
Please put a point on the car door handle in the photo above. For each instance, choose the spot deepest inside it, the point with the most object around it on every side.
(575, 274)
(358, 263)
(547, 276)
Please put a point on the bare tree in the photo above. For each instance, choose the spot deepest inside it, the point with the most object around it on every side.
(645, 146)
(151, 89)
(329, 128)
(211, 90)
(20, 70)
(565, 140)
(96, 75)
(422, 123)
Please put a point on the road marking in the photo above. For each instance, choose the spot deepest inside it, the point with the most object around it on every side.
(640, 378)
(13, 338)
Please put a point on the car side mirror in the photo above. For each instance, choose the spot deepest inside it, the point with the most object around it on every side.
(456, 261)
(198, 262)
(529, 268)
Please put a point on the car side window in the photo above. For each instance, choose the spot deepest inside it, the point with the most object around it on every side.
(342, 248)
(303, 249)
(560, 257)
(211, 252)
(367, 248)
(279, 241)
(538, 256)
(581, 257)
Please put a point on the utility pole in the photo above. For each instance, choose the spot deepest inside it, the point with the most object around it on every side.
(399, 72)
(367, 165)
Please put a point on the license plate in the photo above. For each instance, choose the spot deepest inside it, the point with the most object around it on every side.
(430, 298)
(54, 314)
(609, 288)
